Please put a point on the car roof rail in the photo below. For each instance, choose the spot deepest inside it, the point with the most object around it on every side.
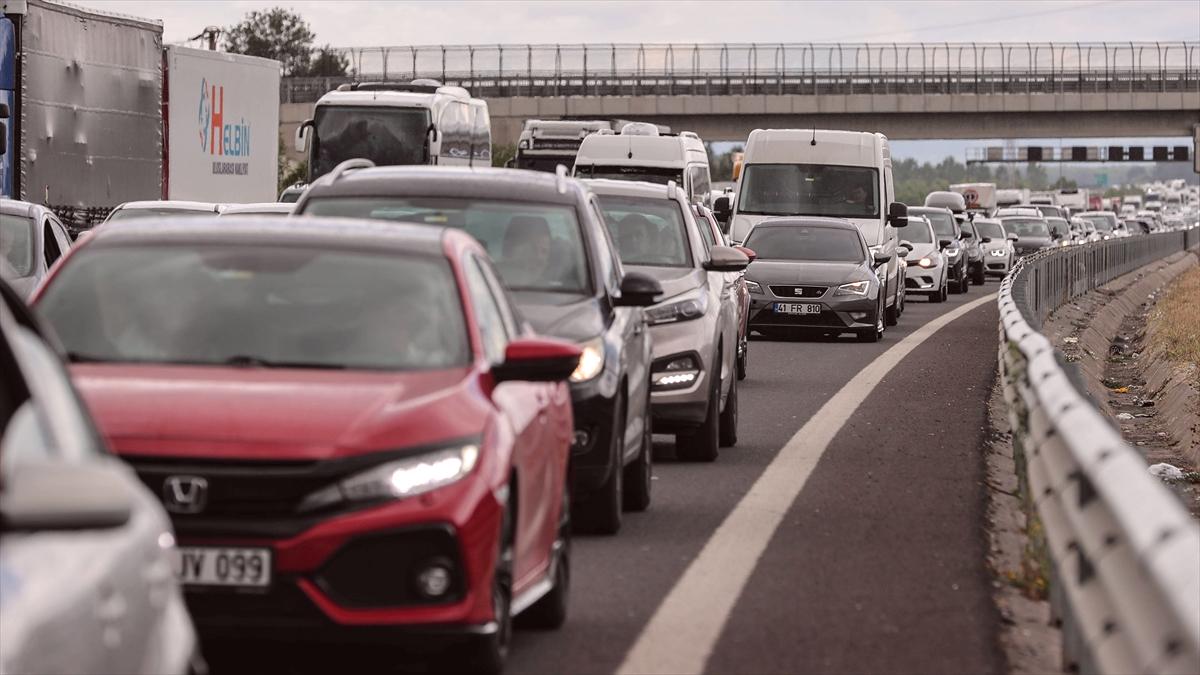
(560, 179)
(349, 165)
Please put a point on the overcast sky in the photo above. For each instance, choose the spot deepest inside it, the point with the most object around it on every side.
(346, 23)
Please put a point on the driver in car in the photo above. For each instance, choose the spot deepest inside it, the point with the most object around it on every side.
(525, 262)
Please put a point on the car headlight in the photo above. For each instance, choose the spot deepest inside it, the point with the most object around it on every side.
(688, 307)
(952, 252)
(927, 262)
(853, 288)
(998, 253)
(591, 361)
(754, 288)
(406, 477)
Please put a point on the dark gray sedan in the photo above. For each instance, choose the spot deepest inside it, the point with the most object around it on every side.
(814, 275)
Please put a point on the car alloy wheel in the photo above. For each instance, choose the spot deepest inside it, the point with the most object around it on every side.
(729, 418)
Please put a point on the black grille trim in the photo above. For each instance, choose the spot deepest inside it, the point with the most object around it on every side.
(805, 291)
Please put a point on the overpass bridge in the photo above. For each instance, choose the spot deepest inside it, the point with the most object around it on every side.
(722, 91)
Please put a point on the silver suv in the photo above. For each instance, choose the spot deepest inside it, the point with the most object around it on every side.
(694, 330)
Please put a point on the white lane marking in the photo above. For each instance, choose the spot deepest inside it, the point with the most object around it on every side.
(684, 629)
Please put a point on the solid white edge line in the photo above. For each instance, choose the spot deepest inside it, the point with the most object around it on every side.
(680, 637)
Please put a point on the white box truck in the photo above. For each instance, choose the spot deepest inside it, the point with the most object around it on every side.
(221, 123)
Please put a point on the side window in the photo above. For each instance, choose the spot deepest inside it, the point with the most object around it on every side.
(700, 183)
(50, 248)
(508, 311)
(705, 231)
(610, 263)
(481, 136)
(488, 316)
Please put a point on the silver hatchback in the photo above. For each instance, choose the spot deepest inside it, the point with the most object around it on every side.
(694, 330)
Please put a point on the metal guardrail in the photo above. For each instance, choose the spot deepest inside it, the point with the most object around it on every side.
(1124, 552)
(800, 69)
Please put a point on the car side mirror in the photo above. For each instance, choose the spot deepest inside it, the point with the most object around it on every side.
(880, 258)
(722, 208)
(726, 259)
(985, 240)
(1012, 237)
(902, 252)
(301, 140)
(61, 496)
(537, 360)
(945, 243)
(897, 214)
(638, 290)
(747, 252)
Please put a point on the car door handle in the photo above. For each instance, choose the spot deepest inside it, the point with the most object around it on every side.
(639, 329)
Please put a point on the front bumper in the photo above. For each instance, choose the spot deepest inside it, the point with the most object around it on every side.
(350, 578)
(919, 279)
(840, 313)
(592, 460)
(680, 409)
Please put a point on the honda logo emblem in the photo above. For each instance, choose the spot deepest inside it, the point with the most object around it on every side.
(185, 494)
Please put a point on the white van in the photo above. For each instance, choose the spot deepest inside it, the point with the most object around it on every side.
(392, 123)
(642, 152)
(807, 172)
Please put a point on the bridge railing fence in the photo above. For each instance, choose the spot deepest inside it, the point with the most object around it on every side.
(806, 69)
(1124, 554)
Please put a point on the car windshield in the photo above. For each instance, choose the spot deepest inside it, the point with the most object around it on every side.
(1102, 223)
(258, 305)
(918, 232)
(386, 136)
(545, 163)
(157, 211)
(535, 247)
(797, 242)
(942, 221)
(1059, 227)
(1027, 227)
(16, 243)
(990, 229)
(647, 231)
(647, 174)
(809, 190)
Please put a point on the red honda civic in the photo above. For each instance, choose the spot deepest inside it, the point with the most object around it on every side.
(358, 439)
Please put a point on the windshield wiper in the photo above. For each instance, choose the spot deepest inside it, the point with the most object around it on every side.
(259, 362)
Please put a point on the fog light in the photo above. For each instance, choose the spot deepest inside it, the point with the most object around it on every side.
(675, 372)
(859, 316)
(434, 581)
(581, 438)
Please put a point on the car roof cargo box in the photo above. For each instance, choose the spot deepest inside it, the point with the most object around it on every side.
(946, 200)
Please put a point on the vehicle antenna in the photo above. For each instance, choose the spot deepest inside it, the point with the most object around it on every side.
(814, 138)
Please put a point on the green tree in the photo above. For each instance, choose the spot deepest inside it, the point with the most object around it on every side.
(502, 153)
(276, 33)
(328, 62)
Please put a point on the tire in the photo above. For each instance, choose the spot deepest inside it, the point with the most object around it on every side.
(728, 436)
(700, 444)
(940, 296)
(979, 276)
(639, 474)
(891, 315)
(600, 511)
(488, 653)
(550, 611)
(743, 360)
(959, 285)
(875, 334)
